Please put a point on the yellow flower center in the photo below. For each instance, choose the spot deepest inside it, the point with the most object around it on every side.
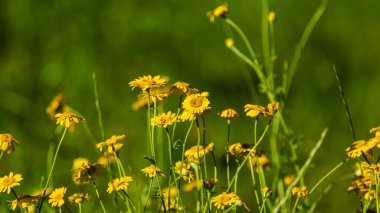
(196, 102)
(225, 199)
(9, 181)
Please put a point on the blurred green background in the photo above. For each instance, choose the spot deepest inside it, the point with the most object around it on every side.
(48, 47)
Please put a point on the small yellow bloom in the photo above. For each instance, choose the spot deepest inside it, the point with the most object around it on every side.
(272, 16)
(370, 195)
(56, 197)
(289, 179)
(164, 119)
(67, 119)
(259, 159)
(229, 42)
(155, 95)
(197, 104)
(152, 171)
(266, 191)
(84, 172)
(358, 148)
(226, 199)
(220, 11)
(7, 143)
(183, 169)
(180, 88)
(26, 202)
(57, 105)
(9, 181)
(271, 109)
(79, 198)
(111, 143)
(228, 113)
(254, 110)
(119, 184)
(240, 150)
(375, 130)
(148, 82)
(196, 153)
(300, 191)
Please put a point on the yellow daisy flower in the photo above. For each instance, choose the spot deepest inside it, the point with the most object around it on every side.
(26, 202)
(196, 153)
(85, 172)
(226, 199)
(79, 198)
(300, 191)
(228, 113)
(240, 150)
(148, 82)
(220, 11)
(186, 116)
(152, 171)
(164, 119)
(183, 169)
(9, 181)
(67, 119)
(119, 184)
(358, 148)
(253, 110)
(56, 197)
(180, 88)
(155, 95)
(7, 143)
(197, 104)
(111, 143)
(57, 105)
(271, 109)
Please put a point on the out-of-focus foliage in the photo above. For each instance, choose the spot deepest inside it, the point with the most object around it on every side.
(47, 47)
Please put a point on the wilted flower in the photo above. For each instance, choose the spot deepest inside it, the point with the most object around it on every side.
(26, 202)
(196, 153)
(254, 110)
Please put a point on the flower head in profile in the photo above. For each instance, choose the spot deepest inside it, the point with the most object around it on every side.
(197, 104)
(8, 143)
(228, 113)
(259, 160)
(226, 200)
(57, 105)
(164, 119)
(266, 191)
(186, 116)
(152, 171)
(240, 150)
(27, 202)
(56, 197)
(358, 148)
(119, 184)
(300, 191)
(9, 181)
(79, 198)
(67, 119)
(148, 82)
(375, 130)
(156, 95)
(180, 88)
(253, 111)
(196, 153)
(271, 109)
(112, 144)
(220, 11)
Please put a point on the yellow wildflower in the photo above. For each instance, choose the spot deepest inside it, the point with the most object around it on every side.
(56, 197)
(7, 143)
(85, 172)
(9, 181)
(197, 104)
(40, 191)
(26, 202)
(229, 42)
(375, 130)
(186, 116)
(272, 16)
(183, 169)
(164, 119)
(119, 184)
(220, 11)
(226, 199)
(180, 88)
(79, 198)
(106, 160)
(370, 195)
(147, 82)
(240, 150)
(254, 110)
(266, 191)
(300, 191)
(152, 171)
(155, 95)
(358, 148)
(111, 143)
(57, 105)
(196, 153)
(271, 109)
(259, 159)
(289, 179)
(67, 119)
(228, 113)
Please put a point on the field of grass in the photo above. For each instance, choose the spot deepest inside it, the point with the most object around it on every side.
(92, 52)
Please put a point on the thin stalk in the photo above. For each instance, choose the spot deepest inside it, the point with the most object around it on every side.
(304, 38)
(265, 40)
(1, 154)
(97, 104)
(147, 197)
(295, 205)
(304, 167)
(204, 146)
(80, 207)
(253, 181)
(245, 39)
(161, 194)
(327, 175)
(227, 155)
(178, 111)
(263, 205)
(98, 195)
(150, 130)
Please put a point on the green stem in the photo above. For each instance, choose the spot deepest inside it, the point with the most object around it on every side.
(263, 205)
(80, 207)
(1, 154)
(147, 197)
(265, 40)
(97, 104)
(295, 205)
(227, 155)
(327, 175)
(98, 195)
